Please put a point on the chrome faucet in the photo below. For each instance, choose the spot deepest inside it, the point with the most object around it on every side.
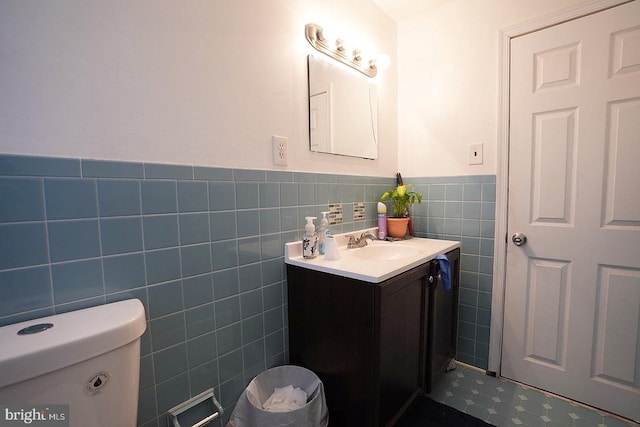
(360, 242)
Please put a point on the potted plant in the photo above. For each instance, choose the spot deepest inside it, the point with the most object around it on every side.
(402, 197)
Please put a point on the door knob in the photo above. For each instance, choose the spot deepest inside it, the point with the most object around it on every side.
(519, 239)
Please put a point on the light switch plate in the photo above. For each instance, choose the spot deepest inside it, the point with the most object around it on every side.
(475, 154)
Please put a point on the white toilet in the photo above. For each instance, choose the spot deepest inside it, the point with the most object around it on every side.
(88, 359)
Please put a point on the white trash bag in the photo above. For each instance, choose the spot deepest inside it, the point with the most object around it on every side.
(281, 389)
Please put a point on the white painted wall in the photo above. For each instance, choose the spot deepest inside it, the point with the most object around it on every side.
(190, 82)
(208, 83)
(448, 80)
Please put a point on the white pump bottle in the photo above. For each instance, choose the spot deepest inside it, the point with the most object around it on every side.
(310, 239)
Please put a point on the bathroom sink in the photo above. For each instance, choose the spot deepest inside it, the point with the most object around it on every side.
(386, 252)
(374, 263)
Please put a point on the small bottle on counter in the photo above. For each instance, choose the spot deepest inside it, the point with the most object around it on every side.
(322, 233)
(310, 239)
(382, 221)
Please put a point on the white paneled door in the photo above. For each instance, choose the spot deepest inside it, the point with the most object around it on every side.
(572, 295)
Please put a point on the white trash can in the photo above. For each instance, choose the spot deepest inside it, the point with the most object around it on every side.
(249, 413)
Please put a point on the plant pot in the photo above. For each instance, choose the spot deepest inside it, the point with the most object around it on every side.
(397, 227)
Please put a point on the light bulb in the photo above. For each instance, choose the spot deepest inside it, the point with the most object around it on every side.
(383, 61)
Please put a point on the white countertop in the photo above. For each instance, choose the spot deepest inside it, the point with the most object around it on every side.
(377, 270)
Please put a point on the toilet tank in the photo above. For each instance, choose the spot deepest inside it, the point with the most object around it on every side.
(87, 359)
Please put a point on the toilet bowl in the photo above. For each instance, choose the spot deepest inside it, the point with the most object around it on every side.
(85, 362)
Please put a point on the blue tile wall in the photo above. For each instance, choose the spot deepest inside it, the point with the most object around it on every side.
(463, 209)
(202, 248)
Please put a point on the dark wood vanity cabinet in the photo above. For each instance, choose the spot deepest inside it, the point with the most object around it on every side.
(370, 343)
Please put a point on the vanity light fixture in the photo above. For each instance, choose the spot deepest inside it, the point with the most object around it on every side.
(354, 60)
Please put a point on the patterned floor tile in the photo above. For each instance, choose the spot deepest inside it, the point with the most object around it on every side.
(504, 403)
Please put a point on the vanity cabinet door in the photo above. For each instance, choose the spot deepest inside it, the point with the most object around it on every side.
(403, 302)
(332, 333)
(443, 320)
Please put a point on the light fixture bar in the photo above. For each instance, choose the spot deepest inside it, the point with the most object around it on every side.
(338, 52)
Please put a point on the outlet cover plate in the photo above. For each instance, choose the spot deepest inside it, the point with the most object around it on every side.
(280, 150)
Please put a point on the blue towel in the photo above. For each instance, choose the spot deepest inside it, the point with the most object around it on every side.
(445, 271)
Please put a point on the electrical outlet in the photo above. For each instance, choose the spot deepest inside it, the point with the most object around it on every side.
(475, 154)
(280, 150)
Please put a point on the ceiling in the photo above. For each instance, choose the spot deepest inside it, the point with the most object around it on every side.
(400, 9)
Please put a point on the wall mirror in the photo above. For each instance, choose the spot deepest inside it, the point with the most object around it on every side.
(343, 111)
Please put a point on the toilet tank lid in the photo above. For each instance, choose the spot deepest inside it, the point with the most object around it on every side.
(76, 336)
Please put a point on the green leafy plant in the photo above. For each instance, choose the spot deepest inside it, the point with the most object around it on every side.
(401, 199)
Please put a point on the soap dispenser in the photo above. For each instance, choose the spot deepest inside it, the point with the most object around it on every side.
(322, 233)
(310, 239)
